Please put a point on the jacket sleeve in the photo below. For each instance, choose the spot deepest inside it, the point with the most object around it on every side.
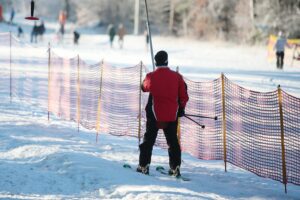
(183, 94)
(146, 83)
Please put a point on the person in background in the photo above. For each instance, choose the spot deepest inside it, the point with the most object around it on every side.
(62, 18)
(147, 39)
(12, 15)
(1, 13)
(76, 37)
(20, 32)
(41, 29)
(111, 31)
(121, 34)
(279, 47)
(167, 100)
(34, 33)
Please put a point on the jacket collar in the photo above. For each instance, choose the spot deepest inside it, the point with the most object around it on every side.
(162, 67)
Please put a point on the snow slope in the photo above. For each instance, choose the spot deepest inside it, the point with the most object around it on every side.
(51, 160)
(41, 160)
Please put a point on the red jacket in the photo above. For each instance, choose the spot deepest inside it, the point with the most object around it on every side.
(169, 92)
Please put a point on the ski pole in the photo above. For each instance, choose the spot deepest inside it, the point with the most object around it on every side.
(201, 116)
(150, 36)
(202, 126)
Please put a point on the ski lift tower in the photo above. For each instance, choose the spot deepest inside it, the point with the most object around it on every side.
(32, 17)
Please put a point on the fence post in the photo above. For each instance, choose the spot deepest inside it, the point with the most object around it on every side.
(140, 103)
(224, 121)
(99, 101)
(284, 178)
(78, 92)
(49, 68)
(178, 124)
(10, 69)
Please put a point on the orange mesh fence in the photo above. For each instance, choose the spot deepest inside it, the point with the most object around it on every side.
(89, 83)
(62, 87)
(253, 131)
(291, 119)
(109, 99)
(205, 100)
(4, 63)
(28, 75)
(119, 103)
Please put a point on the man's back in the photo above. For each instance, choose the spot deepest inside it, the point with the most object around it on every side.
(168, 90)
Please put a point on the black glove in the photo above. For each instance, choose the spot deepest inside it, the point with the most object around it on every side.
(181, 112)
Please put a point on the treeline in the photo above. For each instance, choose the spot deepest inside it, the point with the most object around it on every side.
(235, 20)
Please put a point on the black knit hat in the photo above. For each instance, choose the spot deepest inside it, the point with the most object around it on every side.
(161, 58)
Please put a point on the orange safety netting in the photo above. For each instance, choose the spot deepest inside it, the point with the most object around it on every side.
(205, 100)
(108, 99)
(28, 76)
(291, 121)
(4, 62)
(119, 102)
(253, 130)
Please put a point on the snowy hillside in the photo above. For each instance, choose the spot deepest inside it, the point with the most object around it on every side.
(51, 160)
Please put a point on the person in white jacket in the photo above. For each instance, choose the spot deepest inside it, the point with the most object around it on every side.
(279, 47)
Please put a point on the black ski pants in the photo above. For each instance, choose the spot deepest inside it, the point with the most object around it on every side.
(280, 58)
(170, 133)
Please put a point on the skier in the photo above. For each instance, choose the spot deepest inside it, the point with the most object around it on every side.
(12, 15)
(20, 31)
(62, 18)
(147, 39)
(76, 37)
(34, 33)
(167, 100)
(121, 34)
(111, 33)
(279, 47)
(1, 13)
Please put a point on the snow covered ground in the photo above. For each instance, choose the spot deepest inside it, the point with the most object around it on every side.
(51, 160)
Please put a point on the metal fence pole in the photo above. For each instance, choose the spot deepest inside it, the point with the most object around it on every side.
(150, 35)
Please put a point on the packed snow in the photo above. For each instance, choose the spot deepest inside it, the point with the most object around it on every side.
(52, 160)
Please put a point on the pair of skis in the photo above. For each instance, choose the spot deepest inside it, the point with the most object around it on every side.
(163, 171)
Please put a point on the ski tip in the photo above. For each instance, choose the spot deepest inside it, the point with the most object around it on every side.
(158, 168)
(127, 166)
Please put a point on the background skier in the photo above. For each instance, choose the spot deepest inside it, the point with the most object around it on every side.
(279, 47)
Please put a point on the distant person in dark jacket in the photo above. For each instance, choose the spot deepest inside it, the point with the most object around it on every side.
(34, 31)
(111, 33)
(20, 31)
(76, 37)
(167, 100)
(147, 39)
(12, 15)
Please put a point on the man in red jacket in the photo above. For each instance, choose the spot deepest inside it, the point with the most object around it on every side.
(167, 100)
